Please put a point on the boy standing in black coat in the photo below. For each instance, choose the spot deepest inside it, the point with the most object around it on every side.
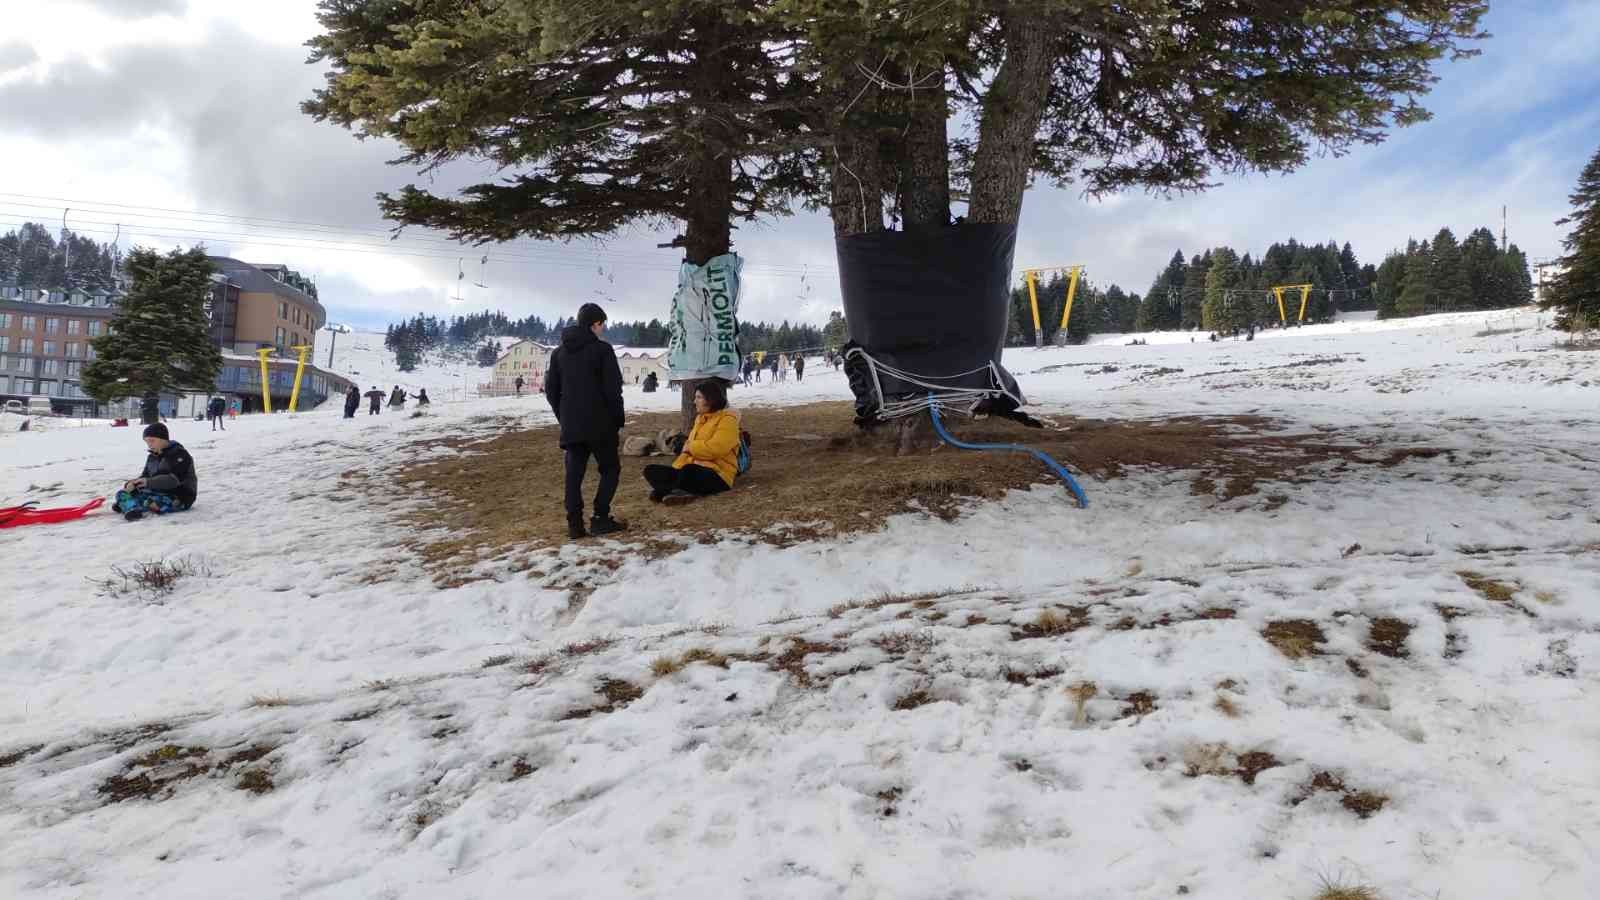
(584, 387)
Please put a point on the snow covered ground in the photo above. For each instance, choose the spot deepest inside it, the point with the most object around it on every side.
(1383, 676)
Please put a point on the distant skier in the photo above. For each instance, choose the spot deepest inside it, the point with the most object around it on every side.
(215, 410)
(374, 401)
(799, 367)
(352, 401)
(168, 483)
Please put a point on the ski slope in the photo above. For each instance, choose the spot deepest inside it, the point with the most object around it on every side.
(316, 718)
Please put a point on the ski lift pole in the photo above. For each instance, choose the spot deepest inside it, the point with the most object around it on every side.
(1072, 291)
(294, 395)
(1033, 300)
(266, 380)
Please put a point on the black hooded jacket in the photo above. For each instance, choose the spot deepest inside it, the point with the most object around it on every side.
(584, 387)
(172, 472)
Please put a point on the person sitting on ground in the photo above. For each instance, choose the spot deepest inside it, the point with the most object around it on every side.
(168, 483)
(710, 457)
(422, 398)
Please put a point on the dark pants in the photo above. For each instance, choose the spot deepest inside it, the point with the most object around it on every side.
(349, 412)
(690, 479)
(610, 466)
(216, 422)
(373, 409)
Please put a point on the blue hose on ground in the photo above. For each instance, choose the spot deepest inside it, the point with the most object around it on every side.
(1072, 485)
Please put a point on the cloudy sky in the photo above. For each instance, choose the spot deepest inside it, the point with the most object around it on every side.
(177, 121)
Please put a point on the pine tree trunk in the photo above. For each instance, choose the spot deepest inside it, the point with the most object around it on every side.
(708, 229)
(1012, 109)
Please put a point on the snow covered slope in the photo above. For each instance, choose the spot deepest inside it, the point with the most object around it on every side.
(1386, 675)
(360, 355)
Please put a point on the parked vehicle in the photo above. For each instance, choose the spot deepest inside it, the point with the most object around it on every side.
(15, 406)
(38, 406)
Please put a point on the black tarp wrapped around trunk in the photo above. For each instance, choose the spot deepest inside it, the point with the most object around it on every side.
(932, 302)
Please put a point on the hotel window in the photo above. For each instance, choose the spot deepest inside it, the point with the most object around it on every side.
(28, 323)
(52, 367)
(73, 349)
(74, 369)
(74, 326)
(5, 383)
(283, 310)
(5, 320)
(26, 346)
(24, 386)
(281, 337)
(49, 348)
(94, 329)
(5, 345)
(88, 352)
(51, 326)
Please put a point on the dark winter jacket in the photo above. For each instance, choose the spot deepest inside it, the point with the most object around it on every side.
(216, 407)
(172, 472)
(584, 387)
(352, 399)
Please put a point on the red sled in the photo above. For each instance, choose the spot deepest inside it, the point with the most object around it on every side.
(13, 516)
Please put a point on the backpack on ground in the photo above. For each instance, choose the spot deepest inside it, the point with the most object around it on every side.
(742, 461)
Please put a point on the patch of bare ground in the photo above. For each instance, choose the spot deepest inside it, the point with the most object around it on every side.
(912, 700)
(800, 490)
(11, 759)
(1363, 803)
(617, 694)
(1024, 679)
(793, 659)
(156, 774)
(1295, 638)
(1388, 636)
(1137, 705)
(1052, 623)
(1493, 590)
(1217, 759)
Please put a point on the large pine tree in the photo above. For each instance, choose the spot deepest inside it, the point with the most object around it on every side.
(1450, 289)
(160, 338)
(1574, 290)
(1416, 296)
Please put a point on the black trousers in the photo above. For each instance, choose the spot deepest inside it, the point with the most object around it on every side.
(693, 479)
(610, 466)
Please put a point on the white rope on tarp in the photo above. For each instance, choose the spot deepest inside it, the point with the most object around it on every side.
(944, 397)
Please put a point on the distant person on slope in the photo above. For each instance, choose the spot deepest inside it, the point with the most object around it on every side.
(374, 401)
(710, 458)
(519, 383)
(584, 387)
(352, 402)
(773, 367)
(215, 411)
(168, 483)
(422, 398)
(799, 367)
(397, 399)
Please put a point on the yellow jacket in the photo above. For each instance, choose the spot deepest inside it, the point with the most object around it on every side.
(713, 443)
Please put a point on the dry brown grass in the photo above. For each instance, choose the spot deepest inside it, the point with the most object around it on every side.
(1491, 589)
(802, 489)
(269, 700)
(1081, 693)
(1295, 638)
(1225, 705)
(1346, 892)
(1388, 636)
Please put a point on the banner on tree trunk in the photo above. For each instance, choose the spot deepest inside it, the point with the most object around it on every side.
(705, 320)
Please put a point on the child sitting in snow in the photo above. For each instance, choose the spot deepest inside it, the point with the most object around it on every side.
(168, 483)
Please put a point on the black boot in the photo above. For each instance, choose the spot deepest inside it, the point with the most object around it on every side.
(575, 530)
(606, 525)
(134, 515)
